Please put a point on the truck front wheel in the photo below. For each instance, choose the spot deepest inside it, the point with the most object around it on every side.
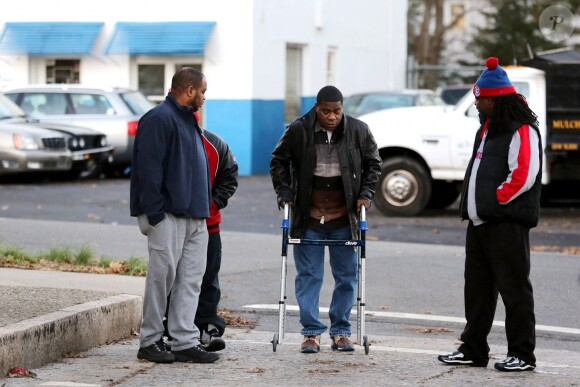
(404, 187)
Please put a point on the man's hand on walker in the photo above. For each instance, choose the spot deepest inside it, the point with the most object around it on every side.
(283, 203)
(363, 202)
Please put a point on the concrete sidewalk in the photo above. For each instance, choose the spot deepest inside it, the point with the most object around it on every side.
(45, 315)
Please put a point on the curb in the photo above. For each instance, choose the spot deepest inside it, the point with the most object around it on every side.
(37, 341)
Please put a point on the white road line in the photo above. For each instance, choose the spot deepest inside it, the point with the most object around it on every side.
(424, 317)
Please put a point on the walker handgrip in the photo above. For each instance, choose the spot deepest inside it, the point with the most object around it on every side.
(285, 221)
(362, 225)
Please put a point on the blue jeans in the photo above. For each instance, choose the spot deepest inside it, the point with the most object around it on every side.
(309, 262)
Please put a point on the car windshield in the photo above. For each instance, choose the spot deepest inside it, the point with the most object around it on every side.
(462, 102)
(9, 109)
(137, 102)
(358, 106)
(451, 96)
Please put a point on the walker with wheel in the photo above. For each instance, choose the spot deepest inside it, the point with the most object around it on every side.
(362, 339)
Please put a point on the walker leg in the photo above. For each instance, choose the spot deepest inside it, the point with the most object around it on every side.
(366, 344)
(281, 305)
(361, 336)
(282, 302)
(358, 304)
(275, 342)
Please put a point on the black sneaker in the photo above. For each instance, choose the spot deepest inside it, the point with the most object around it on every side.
(156, 353)
(458, 358)
(513, 364)
(196, 354)
(211, 340)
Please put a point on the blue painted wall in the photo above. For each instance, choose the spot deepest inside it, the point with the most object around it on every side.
(250, 127)
(268, 126)
(307, 103)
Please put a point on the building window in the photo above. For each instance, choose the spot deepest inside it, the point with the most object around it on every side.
(63, 71)
(458, 16)
(292, 101)
(331, 66)
(151, 79)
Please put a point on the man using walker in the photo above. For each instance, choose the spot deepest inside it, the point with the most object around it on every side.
(325, 167)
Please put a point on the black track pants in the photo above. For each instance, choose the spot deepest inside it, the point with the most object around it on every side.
(498, 259)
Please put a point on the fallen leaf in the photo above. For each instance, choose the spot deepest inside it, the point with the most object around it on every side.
(319, 371)
(257, 371)
(20, 373)
(429, 330)
(235, 321)
(75, 355)
(117, 267)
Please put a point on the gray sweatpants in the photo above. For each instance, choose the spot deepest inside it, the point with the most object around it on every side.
(177, 260)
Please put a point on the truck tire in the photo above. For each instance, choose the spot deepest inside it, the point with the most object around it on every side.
(404, 187)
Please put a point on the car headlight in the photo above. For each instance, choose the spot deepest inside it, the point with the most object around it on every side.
(24, 141)
(82, 142)
(74, 143)
(103, 141)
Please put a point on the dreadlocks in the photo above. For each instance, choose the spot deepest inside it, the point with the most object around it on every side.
(509, 108)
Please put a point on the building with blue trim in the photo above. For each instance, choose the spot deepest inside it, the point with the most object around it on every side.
(264, 60)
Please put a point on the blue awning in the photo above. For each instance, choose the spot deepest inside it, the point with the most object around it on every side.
(160, 38)
(49, 38)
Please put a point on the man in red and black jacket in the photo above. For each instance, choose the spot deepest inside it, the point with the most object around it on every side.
(223, 169)
(223, 173)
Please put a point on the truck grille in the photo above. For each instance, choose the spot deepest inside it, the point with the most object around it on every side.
(54, 143)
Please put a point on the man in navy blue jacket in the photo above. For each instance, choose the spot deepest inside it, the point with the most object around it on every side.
(171, 198)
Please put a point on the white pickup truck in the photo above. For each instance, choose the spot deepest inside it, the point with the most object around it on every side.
(425, 150)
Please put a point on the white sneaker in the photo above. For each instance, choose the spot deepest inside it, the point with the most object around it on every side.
(211, 339)
(513, 364)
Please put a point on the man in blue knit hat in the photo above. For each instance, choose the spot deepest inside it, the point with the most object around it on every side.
(501, 200)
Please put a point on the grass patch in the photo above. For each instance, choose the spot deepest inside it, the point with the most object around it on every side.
(85, 256)
(105, 262)
(58, 254)
(65, 258)
(136, 266)
(15, 256)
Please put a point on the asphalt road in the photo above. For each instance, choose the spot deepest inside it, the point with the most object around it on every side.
(253, 209)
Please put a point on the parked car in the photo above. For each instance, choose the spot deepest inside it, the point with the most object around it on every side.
(453, 93)
(28, 148)
(89, 149)
(112, 111)
(359, 104)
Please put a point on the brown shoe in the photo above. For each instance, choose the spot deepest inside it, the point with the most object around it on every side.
(310, 344)
(341, 343)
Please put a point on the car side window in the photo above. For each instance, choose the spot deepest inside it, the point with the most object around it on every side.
(523, 88)
(351, 104)
(90, 104)
(378, 102)
(43, 104)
